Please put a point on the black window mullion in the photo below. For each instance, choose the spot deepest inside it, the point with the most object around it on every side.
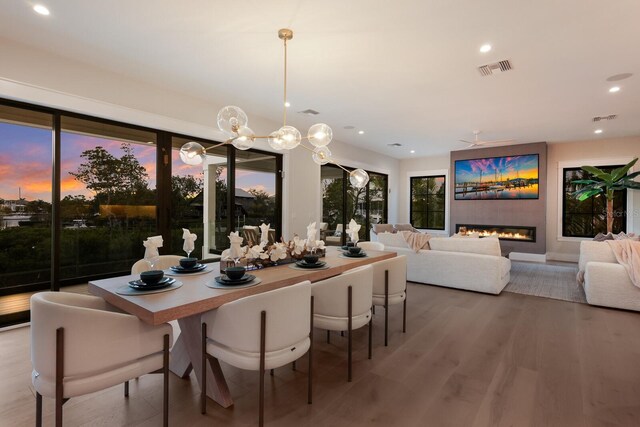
(56, 226)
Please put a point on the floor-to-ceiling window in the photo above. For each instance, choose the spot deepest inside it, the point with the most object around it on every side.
(108, 196)
(79, 194)
(26, 137)
(341, 202)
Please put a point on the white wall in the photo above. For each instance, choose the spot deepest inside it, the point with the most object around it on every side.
(413, 167)
(580, 153)
(558, 154)
(38, 77)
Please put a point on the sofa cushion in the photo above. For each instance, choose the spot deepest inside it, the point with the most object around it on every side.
(382, 228)
(484, 246)
(392, 239)
(405, 227)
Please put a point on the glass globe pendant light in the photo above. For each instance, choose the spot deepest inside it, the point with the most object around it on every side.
(234, 124)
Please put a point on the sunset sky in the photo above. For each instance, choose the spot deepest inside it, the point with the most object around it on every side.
(26, 156)
(510, 168)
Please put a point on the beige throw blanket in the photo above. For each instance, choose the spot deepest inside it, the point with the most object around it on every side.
(627, 253)
(416, 241)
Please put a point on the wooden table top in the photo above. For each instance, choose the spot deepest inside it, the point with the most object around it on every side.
(195, 297)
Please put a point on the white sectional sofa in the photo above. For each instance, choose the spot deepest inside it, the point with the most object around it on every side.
(464, 263)
(606, 283)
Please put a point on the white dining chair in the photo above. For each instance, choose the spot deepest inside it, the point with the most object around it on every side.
(260, 332)
(390, 288)
(343, 303)
(374, 246)
(165, 262)
(80, 344)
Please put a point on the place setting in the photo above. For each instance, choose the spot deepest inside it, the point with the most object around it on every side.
(150, 282)
(309, 262)
(234, 278)
(354, 252)
(188, 265)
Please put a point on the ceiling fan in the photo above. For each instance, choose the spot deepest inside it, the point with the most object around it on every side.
(477, 141)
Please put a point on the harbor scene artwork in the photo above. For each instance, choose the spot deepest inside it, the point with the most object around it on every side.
(501, 178)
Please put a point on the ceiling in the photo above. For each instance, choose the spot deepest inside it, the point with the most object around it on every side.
(403, 71)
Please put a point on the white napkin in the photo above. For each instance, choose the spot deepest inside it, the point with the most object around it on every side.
(264, 233)
(151, 246)
(352, 230)
(235, 251)
(311, 232)
(189, 240)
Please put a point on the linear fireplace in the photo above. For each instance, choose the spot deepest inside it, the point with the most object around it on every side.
(503, 232)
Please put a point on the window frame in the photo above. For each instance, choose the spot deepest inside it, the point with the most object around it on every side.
(163, 188)
(447, 197)
(444, 200)
(572, 164)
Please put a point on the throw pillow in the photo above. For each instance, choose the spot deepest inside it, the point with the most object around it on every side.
(601, 237)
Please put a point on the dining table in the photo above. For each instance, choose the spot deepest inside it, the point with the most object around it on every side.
(194, 297)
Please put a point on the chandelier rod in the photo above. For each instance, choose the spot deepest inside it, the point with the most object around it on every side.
(284, 102)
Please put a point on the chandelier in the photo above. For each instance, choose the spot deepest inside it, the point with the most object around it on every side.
(233, 122)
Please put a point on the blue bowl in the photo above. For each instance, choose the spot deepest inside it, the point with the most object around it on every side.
(151, 277)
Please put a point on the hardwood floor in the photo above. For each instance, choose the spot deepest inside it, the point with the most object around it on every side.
(467, 359)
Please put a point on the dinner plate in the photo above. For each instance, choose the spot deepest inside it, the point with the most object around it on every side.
(182, 270)
(304, 264)
(163, 283)
(226, 281)
(350, 255)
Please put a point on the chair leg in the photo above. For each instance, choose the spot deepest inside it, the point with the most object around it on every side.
(165, 375)
(309, 380)
(370, 337)
(263, 326)
(404, 313)
(38, 409)
(374, 309)
(203, 376)
(126, 389)
(59, 375)
(328, 336)
(293, 365)
(386, 308)
(271, 372)
(349, 322)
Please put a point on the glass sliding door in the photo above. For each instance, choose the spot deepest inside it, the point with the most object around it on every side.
(25, 199)
(341, 202)
(108, 196)
(332, 181)
(257, 181)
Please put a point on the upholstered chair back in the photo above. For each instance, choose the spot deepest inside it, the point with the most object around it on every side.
(96, 337)
(237, 324)
(397, 268)
(374, 246)
(331, 294)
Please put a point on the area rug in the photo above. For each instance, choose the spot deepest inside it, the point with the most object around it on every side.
(557, 281)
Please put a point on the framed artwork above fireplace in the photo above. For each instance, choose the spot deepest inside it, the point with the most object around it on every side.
(497, 178)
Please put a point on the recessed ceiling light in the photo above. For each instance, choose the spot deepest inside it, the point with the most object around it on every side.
(287, 104)
(485, 48)
(598, 131)
(42, 10)
(360, 132)
(412, 151)
(614, 89)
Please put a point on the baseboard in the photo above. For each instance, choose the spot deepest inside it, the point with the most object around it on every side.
(559, 256)
(522, 256)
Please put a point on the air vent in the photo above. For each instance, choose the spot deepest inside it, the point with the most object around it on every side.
(309, 112)
(349, 127)
(394, 144)
(496, 67)
(600, 118)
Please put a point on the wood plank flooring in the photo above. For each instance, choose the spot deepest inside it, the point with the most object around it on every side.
(467, 359)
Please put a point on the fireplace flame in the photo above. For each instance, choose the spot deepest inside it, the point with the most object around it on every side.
(501, 235)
